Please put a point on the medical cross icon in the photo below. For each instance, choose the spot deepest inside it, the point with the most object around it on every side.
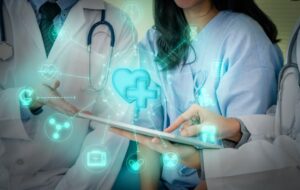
(141, 93)
(135, 87)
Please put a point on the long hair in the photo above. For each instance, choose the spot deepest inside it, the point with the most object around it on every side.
(173, 39)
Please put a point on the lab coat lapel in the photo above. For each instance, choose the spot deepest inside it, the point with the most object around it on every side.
(73, 24)
(28, 17)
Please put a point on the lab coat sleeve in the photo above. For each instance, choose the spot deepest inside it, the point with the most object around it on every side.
(261, 129)
(11, 125)
(259, 165)
(4, 175)
(249, 71)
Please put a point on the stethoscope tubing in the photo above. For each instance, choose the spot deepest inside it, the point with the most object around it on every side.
(102, 22)
(3, 35)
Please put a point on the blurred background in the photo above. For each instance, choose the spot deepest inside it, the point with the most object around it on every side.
(284, 13)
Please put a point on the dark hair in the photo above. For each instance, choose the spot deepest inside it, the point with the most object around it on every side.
(173, 39)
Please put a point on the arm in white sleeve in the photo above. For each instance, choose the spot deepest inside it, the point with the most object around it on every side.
(11, 125)
(4, 175)
(257, 165)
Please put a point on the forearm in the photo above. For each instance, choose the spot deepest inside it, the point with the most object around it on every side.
(253, 159)
(235, 129)
(151, 172)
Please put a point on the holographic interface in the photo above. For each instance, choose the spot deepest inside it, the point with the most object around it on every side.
(26, 96)
(48, 71)
(134, 164)
(58, 127)
(96, 158)
(208, 134)
(134, 87)
(170, 160)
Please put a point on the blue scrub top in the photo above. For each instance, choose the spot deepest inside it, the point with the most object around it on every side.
(232, 71)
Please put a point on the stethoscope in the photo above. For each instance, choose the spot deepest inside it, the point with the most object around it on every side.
(103, 82)
(6, 50)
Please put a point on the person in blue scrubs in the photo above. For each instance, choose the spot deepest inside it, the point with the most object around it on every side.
(219, 54)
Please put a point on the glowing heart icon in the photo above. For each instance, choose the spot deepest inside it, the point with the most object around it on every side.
(134, 86)
(136, 164)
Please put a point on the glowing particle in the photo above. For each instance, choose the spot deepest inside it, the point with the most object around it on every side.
(67, 125)
(170, 160)
(52, 121)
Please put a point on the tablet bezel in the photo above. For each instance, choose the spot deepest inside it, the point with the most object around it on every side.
(191, 141)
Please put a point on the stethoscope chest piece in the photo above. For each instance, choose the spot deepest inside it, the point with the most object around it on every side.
(6, 51)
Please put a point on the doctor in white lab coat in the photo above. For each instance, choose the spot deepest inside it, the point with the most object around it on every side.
(29, 159)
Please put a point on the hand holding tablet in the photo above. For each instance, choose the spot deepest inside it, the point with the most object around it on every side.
(124, 128)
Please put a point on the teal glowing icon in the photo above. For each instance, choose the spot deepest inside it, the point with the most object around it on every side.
(193, 33)
(58, 127)
(26, 96)
(134, 164)
(204, 99)
(170, 160)
(134, 87)
(140, 93)
(96, 158)
(209, 134)
(48, 71)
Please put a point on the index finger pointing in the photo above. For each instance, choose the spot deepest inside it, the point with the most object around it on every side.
(179, 121)
(183, 118)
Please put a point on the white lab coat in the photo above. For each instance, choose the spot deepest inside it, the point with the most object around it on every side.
(30, 160)
(263, 163)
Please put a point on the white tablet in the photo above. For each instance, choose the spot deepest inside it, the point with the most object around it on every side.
(152, 133)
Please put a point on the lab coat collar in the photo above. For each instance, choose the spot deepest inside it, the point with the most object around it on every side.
(63, 4)
(73, 23)
(93, 4)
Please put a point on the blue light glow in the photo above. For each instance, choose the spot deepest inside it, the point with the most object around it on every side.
(96, 158)
(58, 127)
(134, 164)
(134, 86)
(208, 134)
(170, 160)
(26, 96)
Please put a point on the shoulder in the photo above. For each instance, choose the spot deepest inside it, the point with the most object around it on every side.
(116, 12)
(120, 20)
(242, 26)
(149, 41)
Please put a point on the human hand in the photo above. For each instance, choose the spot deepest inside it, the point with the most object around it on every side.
(57, 102)
(196, 118)
(188, 155)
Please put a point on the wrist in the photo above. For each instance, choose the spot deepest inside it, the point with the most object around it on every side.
(235, 130)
